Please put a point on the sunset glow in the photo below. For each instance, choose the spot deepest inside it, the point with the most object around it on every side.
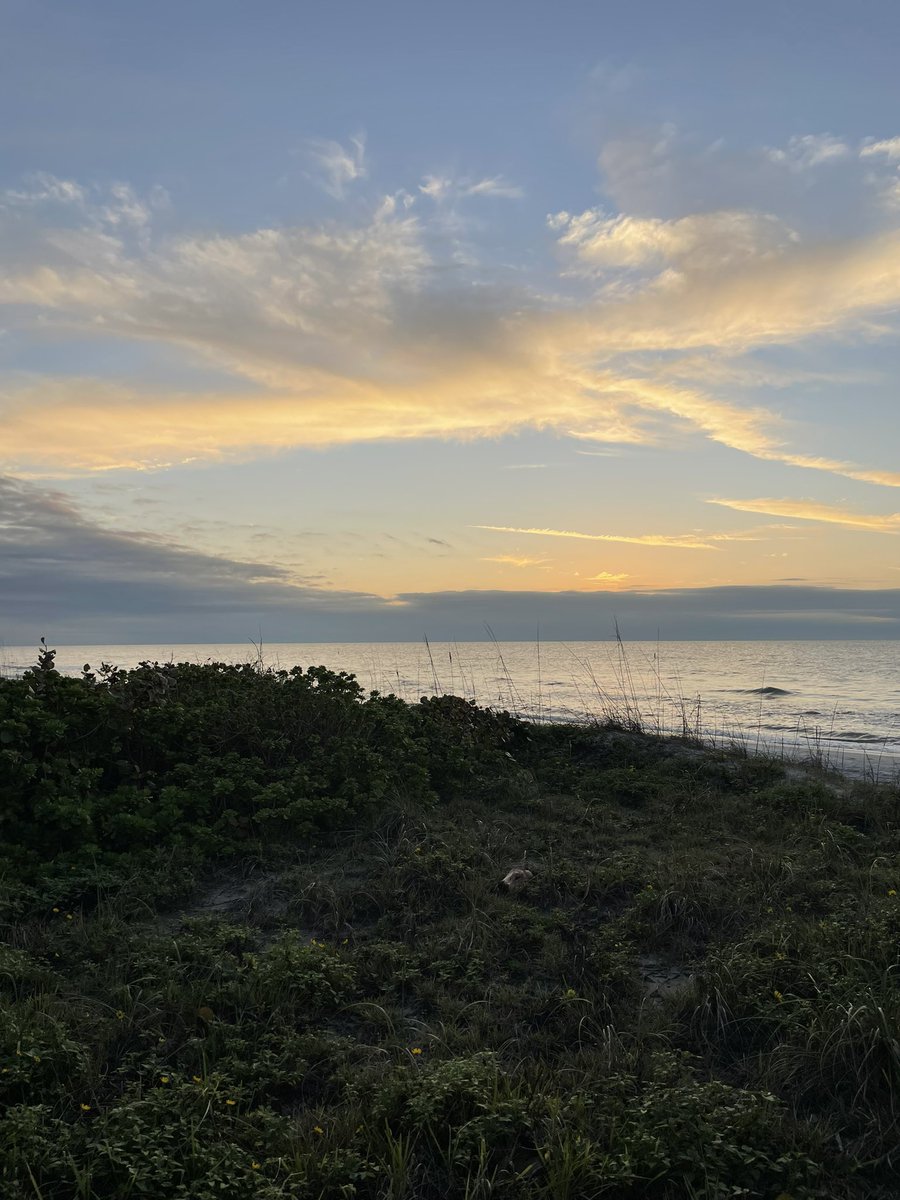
(350, 304)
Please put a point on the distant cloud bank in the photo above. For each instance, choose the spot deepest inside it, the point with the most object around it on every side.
(68, 579)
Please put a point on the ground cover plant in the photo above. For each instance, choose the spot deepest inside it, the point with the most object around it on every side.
(255, 944)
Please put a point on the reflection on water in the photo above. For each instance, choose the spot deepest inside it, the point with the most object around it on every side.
(835, 700)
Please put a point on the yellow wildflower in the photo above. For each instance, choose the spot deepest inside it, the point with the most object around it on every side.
(56, 910)
(85, 1107)
(120, 1016)
(164, 1079)
(892, 891)
(69, 917)
(778, 996)
(254, 1166)
(417, 1050)
(317, 1129)
(231, 1103)
(196, 1079)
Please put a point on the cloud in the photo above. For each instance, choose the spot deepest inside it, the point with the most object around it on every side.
(109, 211)
(436, 187)
(65, 577)
(890, 195)
(609, 77)
(810, 510)
(444, 187)
(889, 148)
(685, 541)
(264, 303)
(341, 332)
(701, 241)
(637, 167)
(338, 165)
(666, 172)
(839, 467)
(494, 186)
(61, 571)
(606, 577)
(43, 188)
(514, 560)
(726, 613)
(808, 150)
(746, 372)
(805, 291)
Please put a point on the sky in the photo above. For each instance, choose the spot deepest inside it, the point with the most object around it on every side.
(354, 322)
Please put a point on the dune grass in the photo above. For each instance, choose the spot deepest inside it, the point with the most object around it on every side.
(254, 944)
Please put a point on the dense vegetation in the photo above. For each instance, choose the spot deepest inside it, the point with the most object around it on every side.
(255, 945)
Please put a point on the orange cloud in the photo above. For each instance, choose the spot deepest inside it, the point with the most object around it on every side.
(336, 334)
(685, 541)
(810, 510)
(513, 560)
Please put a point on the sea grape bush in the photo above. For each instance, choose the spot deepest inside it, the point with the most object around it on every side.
(253, 946)
(273, 959)
(211, 756)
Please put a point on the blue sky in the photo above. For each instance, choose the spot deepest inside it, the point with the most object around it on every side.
(355, 307)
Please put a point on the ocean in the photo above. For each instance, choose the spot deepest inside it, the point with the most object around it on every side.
(835, 702)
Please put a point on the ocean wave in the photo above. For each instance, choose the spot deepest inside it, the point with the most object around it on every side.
(856, 735)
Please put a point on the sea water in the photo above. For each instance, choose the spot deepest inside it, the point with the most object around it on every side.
(837, 702)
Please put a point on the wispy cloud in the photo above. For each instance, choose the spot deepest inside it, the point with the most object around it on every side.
(337, 165)
(496, 185)
(687, 541)
(888, 148)
(348, 332)
(838, 467)
(702, 241)
(42, 188)
(811, 510)
(446, 187)
(804, 151)
(113, 210)
(514, 560)
(607, 577)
